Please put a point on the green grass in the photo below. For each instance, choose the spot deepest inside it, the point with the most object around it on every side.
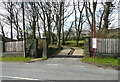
(82, 47)
(103, 61)
(15, 59)
(73, 44)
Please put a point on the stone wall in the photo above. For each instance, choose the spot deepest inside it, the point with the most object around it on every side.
(87, 48)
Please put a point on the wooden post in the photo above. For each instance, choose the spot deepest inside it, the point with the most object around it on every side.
(45, 48)
(36, 49)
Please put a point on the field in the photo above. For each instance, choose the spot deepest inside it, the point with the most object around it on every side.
(73, 44)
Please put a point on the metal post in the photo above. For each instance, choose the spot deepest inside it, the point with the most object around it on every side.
(95, 40)
(94, 34)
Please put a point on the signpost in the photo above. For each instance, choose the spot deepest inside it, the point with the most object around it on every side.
(94, 39)
(94, 46)
(94, 43)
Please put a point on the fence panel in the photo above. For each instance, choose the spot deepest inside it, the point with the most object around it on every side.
(108, 46)
(16, 46)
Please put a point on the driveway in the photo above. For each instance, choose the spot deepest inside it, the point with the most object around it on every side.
(56, 69)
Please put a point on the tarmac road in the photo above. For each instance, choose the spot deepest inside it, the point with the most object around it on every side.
(56, 69)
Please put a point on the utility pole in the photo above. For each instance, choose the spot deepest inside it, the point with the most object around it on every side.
(94, 39)
(24, 39)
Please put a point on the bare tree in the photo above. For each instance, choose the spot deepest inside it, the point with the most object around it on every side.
(9, 8)
(2, 28)
(69, 30)
(59, 24)
(16, 17)
(43, 16)
(92, 14)
(78, 26)
(24, 38)
(105, 19)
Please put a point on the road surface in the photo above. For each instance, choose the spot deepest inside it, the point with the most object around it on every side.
(56, 69)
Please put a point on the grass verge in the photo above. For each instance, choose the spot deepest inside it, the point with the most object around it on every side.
(20, 59)
(15, 59)
(103, 62)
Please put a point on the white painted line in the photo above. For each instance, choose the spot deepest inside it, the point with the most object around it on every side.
(82, 66)
(53, 64)
(20, 78)
(100, 68)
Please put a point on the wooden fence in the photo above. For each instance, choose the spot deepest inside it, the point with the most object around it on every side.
(108, 46)
(105, 47)
(16, 46)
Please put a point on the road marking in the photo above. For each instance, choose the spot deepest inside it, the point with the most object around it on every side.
(53, 64)
(82, 66)
(20, 78)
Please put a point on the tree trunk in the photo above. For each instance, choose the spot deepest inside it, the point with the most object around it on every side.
(39, 30)
(17, 25)
(69, 31)
(11, 17)
(76, 25)
(59, 26)
(34, 22)
(3, 33)
(63, 38)
(105, 19)
(24, 38)
(106, 14)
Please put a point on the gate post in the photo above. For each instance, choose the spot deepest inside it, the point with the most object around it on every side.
(87, 47)
(45, 48)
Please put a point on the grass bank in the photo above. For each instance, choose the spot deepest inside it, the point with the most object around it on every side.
(15, 59)
(103, 62)
(20, 59)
